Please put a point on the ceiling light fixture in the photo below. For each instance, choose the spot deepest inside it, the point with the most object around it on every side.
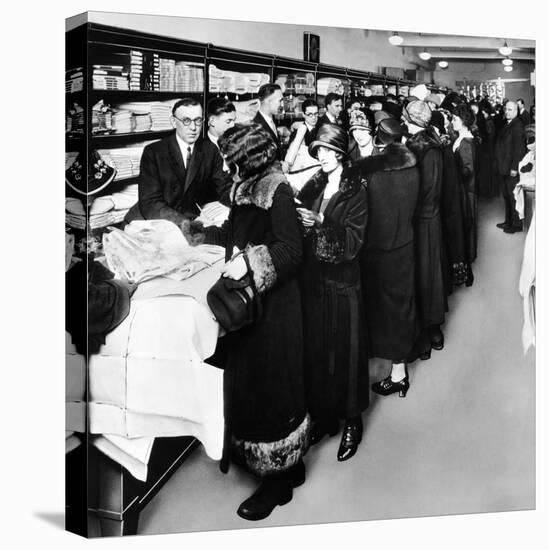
(507, 61)
(508, 68)
(425, 55)
(443, 64)
(505, 49)
(395, 39)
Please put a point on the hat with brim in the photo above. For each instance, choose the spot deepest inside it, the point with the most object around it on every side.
(332, 137)
(388, 131)
(381, 115)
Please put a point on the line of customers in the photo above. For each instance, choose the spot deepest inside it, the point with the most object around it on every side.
(356, 263)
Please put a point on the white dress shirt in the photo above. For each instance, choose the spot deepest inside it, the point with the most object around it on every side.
(183, 147)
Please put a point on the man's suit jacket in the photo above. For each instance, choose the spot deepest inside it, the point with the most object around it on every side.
(325, 120)
(168, 191)
(260, 119)
(525, 117)
(510, 147)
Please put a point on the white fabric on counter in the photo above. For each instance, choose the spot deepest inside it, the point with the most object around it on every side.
(149, 379)
(132, 454)
(527, 286)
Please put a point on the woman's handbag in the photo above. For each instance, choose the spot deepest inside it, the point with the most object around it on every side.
(235, 304)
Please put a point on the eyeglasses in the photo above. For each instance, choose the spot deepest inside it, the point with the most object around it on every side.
(311, 114)
(187, 121)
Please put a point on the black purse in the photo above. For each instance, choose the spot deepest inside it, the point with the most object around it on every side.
(235, 304)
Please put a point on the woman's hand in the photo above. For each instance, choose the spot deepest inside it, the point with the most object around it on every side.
(309, 218)
(235, 269)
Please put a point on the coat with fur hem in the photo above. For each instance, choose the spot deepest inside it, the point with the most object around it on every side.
(387, 258)
(336, 362)
(430, 289)
(264, 362)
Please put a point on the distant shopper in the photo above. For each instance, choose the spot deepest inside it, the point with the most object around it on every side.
(361, 131)
(221, 117)
(388, 255)
(303, 134)
(509, 150)
(271, 98)
(334, 106)
(431, 296)
(464, 148)
(524, 115)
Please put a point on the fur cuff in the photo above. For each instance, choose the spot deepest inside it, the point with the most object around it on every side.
(262, 266)
(193, 231)
(265, 459)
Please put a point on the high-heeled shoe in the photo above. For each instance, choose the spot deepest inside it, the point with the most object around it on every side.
(320, 429)
(350, 439)
(387, 386)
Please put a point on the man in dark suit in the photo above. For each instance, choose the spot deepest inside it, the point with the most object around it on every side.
(182, 172)
(524, 115)
(221, 117)
(509, 150)
(334, 106)
(270, 96)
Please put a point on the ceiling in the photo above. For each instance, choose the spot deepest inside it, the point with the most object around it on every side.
(467, 48)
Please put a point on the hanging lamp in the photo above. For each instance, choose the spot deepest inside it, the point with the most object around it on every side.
(395, 39)
(505, 49)
(425, 55)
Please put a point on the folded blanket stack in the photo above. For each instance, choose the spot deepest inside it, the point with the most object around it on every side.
(167, 75)
(189, 77)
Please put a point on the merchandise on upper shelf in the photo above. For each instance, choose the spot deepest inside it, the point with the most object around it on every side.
(296, 83)
(234, 82)
(74, 80)
(75, 120)
(125, 160)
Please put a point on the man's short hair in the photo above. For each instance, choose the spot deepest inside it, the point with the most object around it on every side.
(520, 100)
(219, 105)
(185, 102)
(308, 103)
(267, 90)
(330, 98)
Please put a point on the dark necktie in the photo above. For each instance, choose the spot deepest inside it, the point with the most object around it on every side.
(188, 161)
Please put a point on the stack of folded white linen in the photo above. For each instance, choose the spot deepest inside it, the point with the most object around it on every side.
(167, 75)
(121, 121)
(161, 112)
(75, 215)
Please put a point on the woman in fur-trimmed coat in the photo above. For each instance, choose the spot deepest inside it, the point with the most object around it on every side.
(334, 215)
(264, 392)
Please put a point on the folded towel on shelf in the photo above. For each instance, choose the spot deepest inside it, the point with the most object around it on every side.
(74, 206)
(126, 198)
(101, 205)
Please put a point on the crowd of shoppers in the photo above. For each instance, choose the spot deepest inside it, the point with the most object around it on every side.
(356, 263)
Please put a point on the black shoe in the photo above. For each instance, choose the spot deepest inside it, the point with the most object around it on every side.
(513, 229)
(470, 277)
(387, 386)
(296, 474)
(424, 356)
(437, 339)
(320, 429)
(273, 491)
(502, 225)
(350, 439)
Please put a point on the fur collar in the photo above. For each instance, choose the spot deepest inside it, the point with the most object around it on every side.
(351, 182)
(421, 142)
(259, 190)
(395, 156)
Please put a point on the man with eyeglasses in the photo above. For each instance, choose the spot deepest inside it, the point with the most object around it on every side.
(182, 172)
(303, 133)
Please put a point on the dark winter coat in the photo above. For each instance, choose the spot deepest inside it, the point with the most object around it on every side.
(487, 182)
(431, 295)
(453, 218)
(465, 159)
(510, 147)
(387, 259)
(169, 191)
(264, 366)
(336, 361)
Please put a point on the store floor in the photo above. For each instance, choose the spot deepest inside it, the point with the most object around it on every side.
(462, 441)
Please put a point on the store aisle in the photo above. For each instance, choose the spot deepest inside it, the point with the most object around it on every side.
(462, 440)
